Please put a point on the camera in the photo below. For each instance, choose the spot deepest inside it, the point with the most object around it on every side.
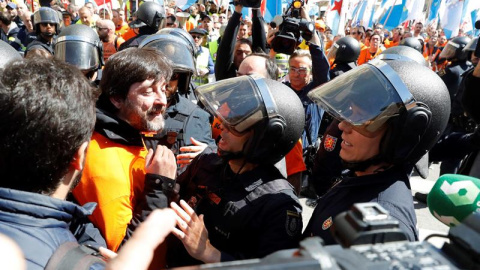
(292, 30)
(373, 241)
(248, 3)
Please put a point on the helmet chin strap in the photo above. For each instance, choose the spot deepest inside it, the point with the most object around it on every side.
(361, 166)
(227, 155)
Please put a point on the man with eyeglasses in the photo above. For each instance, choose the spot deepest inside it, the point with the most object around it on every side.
(303, 78)
(47, 23)
(205, 67)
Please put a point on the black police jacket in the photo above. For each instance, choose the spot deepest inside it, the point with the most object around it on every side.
(452, 77)
(247, 216)
(388, 188)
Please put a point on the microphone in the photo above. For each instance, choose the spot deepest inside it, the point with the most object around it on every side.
(453, 198)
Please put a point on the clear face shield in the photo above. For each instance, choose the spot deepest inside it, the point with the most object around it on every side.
(239, 103)
(366, 97)
(332, 54)
(449, 50)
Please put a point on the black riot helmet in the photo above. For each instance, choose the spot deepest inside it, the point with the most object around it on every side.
(388, 94)
(269, 108)
(149, 15)
(454, 49)
(412, 42)
(403, 53)
(80, 46)
(345, 50)
(46, 15)
(7, 54)
(179, 32)
(175, 49)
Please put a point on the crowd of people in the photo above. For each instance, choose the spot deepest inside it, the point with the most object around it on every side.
(162, 137)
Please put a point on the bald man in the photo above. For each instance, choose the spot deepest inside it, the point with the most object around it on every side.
(106, 33)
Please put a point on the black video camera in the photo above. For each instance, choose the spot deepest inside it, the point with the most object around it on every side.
(292, 30)
(386, 249)
(248, 3)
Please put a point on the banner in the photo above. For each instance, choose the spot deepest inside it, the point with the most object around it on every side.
(450, 17)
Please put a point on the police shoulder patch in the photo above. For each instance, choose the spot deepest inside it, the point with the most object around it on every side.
(327, 223)
(329, 143)
(292, 223)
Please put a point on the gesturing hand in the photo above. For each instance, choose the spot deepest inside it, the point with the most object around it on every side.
(193, 234)
(190, 152)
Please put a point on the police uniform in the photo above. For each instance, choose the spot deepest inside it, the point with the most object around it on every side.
(389, 188)
(184, 120)
(452, 76)
(42, 44)
(247, 215)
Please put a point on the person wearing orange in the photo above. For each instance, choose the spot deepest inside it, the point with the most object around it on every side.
(397, 36)
(106, 33)
(371, 52)
(127, 175)
(118, 18)
(358, 33)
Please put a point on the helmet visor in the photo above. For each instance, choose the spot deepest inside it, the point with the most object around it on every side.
(83, 55)
(449, 50)
(363, 97)
(237, 102)
(174, 49)
(332, 54)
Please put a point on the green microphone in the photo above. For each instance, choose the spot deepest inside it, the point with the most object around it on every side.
(453, 198)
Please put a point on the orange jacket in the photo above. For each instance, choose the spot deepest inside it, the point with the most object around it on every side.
(366, 56)
(114, 175)
(294, 159)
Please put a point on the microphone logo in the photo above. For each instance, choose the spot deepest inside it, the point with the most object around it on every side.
(461, 192)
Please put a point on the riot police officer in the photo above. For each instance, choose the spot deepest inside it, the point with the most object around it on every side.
(150, 16)
(248, 208)
(185, 36)
(187, 127)
(46, 24)
(80, 46)
(345, 51)
(7, 54)
(388, 120)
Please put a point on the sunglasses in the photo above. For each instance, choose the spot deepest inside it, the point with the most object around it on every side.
(354, 33)
(300, 71)
(196, 37)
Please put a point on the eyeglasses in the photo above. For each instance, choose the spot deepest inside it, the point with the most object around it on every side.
(354, 33)
(222, 17)
(196, 36)
(47, 24)
(300, 71)
(101, 28)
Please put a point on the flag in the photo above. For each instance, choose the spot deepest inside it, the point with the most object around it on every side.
(467, 22)
(381, 10)
(433, 12)
(450, 16)
(183, 4)
(334, 16)
(271, 8)
(415, 10)
(394, 15)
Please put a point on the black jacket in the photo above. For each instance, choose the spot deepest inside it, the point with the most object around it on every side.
(390, 188)
(247, 216)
